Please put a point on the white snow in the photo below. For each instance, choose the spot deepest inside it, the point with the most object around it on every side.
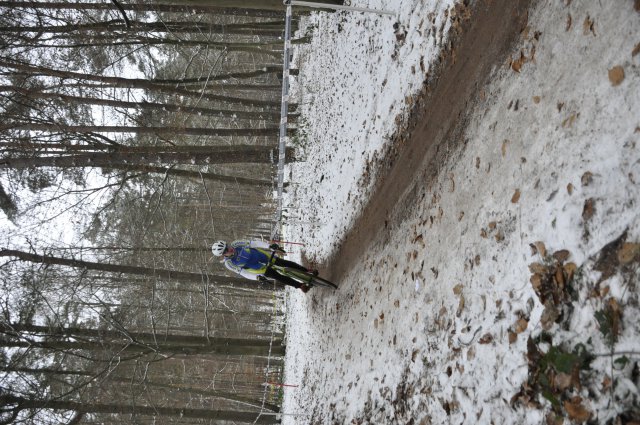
(419, 327)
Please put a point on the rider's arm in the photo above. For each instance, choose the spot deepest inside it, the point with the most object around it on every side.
(251, 244)
(258, 244)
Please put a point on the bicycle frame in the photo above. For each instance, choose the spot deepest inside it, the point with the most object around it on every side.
(298, 275)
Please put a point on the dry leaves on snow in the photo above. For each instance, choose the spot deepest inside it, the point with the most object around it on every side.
(588, 26)
(616, 75)
(576, 410)
(516, 197)
(551, 282)
(589, 209)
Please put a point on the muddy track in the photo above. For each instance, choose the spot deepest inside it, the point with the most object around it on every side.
(437, 123)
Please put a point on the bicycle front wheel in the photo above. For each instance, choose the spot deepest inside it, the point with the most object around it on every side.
(318, 281)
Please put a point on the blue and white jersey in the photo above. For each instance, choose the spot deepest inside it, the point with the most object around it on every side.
(250, 258)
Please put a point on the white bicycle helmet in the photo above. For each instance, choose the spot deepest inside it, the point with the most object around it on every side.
(218, 248)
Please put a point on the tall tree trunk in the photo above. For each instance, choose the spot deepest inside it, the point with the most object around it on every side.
(142, 7)
(139, 350)
(117, 26)
(144, 105)
(23, 403)
(206, 393)
(139, 83)
(159, 130)
(197, 175)
(106, 335)
(216, 155)
(113, 268)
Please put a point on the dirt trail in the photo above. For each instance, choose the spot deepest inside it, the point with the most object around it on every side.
(437, 121)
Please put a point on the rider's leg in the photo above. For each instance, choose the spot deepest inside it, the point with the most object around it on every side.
(285, 263)
(282, 279)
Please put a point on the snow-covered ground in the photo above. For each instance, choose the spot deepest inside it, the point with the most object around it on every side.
(431, 324)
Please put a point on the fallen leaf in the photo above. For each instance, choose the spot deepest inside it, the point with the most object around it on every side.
(457, 289)
(536, 281)
(606, 383)
(569, 21)
(513, 337)
(499, 237)
(570, 269)
(516, 197)
(471, 353)
(635, 50)
(575, 378)
(414, 354)
(588, 26)
(460, 306)
(504, 147)
(587, 178)
(589, 209)
(628, 252)
(576, 410)
(521, 325)
(539, 248)
(561, 255)
(486, 339)
(570, 189)
(559, 276)
(568, 122)
(607, 262)
(562, 381)
(381, 316)
(616, 75)
(516, 65)
(538, 268)
(492, 225)
(549, 315)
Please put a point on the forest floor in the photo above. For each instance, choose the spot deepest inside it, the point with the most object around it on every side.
(471, 182)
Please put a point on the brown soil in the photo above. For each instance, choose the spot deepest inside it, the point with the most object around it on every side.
(437, 123)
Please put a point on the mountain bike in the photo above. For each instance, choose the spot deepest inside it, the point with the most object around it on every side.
(305, 278)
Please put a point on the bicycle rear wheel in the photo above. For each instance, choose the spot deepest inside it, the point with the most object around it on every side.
(318, 281)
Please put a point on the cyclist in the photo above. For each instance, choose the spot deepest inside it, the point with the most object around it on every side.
(252, 259)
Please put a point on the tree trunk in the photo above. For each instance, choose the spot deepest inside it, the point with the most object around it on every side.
(118, 27)
(151, 339)
(139, 83)
(142, 7)
(138, 350)
(246, 154)
(22, 403)
(159, 130)
(197, 175)
(36, 94)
